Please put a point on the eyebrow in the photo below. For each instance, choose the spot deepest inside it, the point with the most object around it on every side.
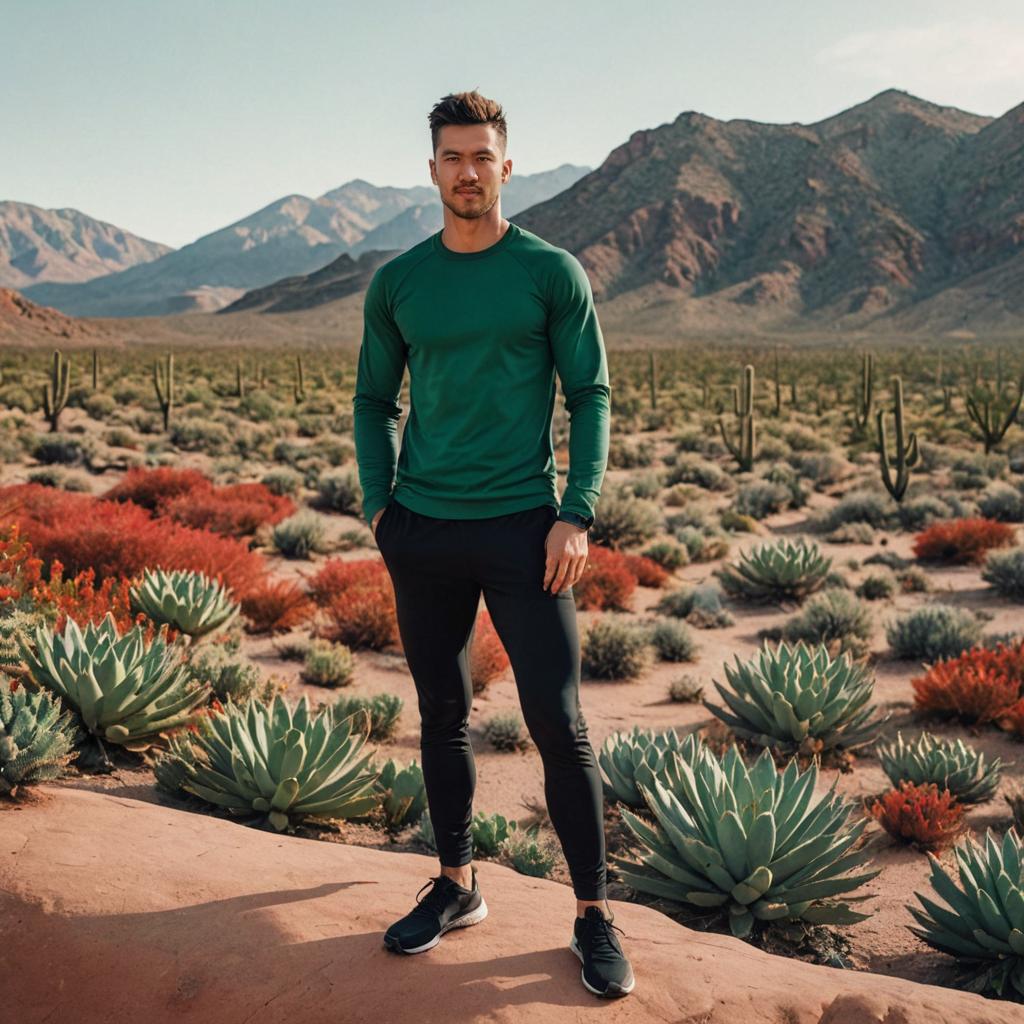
(458, 152)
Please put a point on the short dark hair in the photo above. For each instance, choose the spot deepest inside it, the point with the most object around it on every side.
(467, 108)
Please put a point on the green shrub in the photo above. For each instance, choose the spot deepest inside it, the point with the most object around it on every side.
(1004, 570)
(761, 498)
(299, 535)
(226, 674)
(620, 520)
(505, 731)
(328, 664)
(533, 854)
(614, 648)
(933, 632)
(338, 490)
(834, 618)
(673, 641)
(877, 586)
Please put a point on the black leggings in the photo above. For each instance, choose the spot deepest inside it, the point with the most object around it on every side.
(438, 568)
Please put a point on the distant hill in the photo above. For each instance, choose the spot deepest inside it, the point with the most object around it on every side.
(292, 236)
(65, 245)
(24, 323)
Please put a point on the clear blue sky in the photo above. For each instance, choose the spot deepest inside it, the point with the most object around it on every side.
(172, 118)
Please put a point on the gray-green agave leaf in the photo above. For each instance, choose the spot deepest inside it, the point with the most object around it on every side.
(627, 759)
(950, 765)
(125, 690)
(982, 923)
(799, 699)
(282, 761)
(37, 737)
(781, 570)
(748, 841)
(188, 601)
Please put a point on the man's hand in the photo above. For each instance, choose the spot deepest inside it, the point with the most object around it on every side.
(566, 550)
(375, 521)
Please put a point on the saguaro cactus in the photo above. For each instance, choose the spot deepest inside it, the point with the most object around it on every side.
(651, 379)
(743, 405)
(907, 453)
(778, 385)
(55, 393)
(300, 381)
(239, 382)
(163, 382)
(864, 398)
(95, 369)
(984, 408)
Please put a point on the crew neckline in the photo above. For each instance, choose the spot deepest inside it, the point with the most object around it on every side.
(451, 254)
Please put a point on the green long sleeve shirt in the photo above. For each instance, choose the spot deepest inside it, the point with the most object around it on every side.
(482, 334)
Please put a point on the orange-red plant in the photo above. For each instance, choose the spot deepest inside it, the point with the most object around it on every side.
(152, 488)
(359, 602)
(961, 541)
(921, 815)
(276, 606)
(647, 571)
(237, 510)
(607, 581)
(487, 655)
(980, 685)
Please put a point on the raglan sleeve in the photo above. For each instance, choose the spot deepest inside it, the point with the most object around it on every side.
(376, 407)
(577, 346)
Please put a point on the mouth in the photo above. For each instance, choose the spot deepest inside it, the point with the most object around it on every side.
(468, 191)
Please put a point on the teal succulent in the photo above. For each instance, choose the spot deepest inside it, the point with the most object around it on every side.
(489, 832)
(950, 765)
(799, 699)
(403, 795)
(37, 737)
(983, 922)
(749, 842)
(187, 601)
(626, 759)
(125, 690)
(283, 762)
(776, 571)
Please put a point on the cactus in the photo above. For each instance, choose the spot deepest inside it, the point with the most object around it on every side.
(743, 405)
(907, 454)
(55, 394)
(778, 385)
(864, 399)
(651, 381)
(239, 382)
(300, 382)
(985, 408)
(403, 797)
(95, 369)
(163, 382)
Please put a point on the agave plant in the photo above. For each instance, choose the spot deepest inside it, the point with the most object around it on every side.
(37, 737)
(489, 832)
(799, 698)
(983, 925)
(188, 601)
(125, 690)
(776, 571)
(403, 796)
(950, 765)
(627, 759)
(748, 841)
(282, 762)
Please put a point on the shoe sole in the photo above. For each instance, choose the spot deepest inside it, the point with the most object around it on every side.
(613, 991)
(474, 916)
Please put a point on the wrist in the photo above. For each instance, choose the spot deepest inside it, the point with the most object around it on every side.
(582, 523)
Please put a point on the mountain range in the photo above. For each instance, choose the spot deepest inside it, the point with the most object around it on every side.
(293, 235)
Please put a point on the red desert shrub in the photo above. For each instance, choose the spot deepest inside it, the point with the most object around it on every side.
(152, 488)
(359, 601)
(276, 606)
(20, 570)
(960, 541)
(647, 571)
(980, 685)
(487, 656)
(121, 539)
(235, 511)
(920, 814)
(607, 581)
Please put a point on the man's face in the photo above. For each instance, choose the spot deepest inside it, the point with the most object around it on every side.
(468, 168)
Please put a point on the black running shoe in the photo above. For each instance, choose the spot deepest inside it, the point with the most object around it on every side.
(606, 971)
(448, 905)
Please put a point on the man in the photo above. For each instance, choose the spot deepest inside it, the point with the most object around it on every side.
(483, 313)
